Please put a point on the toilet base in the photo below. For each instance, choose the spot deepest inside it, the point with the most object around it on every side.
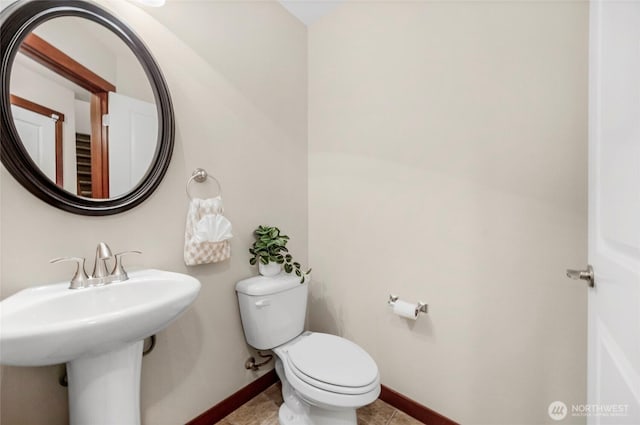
(316, 416)
(296, 411)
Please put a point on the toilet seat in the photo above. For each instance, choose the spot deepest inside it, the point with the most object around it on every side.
(332, 363)
(330, 370)
(329, 387)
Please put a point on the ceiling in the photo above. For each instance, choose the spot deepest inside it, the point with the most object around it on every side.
(310, 11)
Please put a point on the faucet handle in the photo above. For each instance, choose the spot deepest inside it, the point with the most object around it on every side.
(80, 278)
(118, 271)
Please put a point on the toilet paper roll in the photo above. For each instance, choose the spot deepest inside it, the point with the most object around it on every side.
(405, 309)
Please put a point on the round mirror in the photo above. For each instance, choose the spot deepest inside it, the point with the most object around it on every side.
(87, 122)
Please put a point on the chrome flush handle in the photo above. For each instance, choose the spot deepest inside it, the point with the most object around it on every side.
(586, 275)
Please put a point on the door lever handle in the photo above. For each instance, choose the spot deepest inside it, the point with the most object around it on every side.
(586, 275)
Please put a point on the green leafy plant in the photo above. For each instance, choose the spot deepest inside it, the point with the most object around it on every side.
(270, 246)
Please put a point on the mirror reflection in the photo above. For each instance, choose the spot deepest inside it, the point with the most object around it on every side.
(84, 108)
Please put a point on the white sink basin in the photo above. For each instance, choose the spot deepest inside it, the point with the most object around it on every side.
(95, 330)
(53, 324)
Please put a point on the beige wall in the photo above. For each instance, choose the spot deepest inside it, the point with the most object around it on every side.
(447, 163)
(240, 105)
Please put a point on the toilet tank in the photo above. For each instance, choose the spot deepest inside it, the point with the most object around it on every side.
(272, 309)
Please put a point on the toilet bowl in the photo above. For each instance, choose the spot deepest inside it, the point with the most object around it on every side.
(325, 378)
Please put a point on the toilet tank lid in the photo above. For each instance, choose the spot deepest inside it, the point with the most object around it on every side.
(262, 285)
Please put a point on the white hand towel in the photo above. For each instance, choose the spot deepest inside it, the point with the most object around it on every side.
(207, 233)
(213, 228)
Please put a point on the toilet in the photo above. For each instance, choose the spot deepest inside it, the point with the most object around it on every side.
(325, 378)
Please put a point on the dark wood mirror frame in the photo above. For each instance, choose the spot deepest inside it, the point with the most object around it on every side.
(16, 22)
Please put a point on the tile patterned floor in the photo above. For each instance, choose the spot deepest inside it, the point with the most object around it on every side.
(263, 410)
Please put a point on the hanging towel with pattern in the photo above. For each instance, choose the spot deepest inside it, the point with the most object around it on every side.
(207, 233)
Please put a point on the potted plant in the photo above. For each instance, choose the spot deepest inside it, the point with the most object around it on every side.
(270, 252)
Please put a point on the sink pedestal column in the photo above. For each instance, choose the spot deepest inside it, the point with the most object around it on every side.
(105, 389)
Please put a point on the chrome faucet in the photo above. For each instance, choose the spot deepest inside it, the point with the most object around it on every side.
(100, 275)
(103, 253)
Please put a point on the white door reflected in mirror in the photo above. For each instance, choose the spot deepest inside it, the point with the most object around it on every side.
(133, 128)
(38, 134)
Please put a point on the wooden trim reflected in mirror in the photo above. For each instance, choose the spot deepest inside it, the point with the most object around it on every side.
(99, 146)
(59, 62)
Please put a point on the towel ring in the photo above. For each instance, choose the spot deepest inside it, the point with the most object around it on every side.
(200, 175)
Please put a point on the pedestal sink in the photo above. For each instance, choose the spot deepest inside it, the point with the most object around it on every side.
(98, 332)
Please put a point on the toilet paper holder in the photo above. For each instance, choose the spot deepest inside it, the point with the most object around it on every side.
(420, 306)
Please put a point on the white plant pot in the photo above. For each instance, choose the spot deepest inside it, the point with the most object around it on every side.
(269, 269)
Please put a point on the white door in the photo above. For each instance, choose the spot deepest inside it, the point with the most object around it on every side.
(133, 137)
(614, 213)
(38, 135)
